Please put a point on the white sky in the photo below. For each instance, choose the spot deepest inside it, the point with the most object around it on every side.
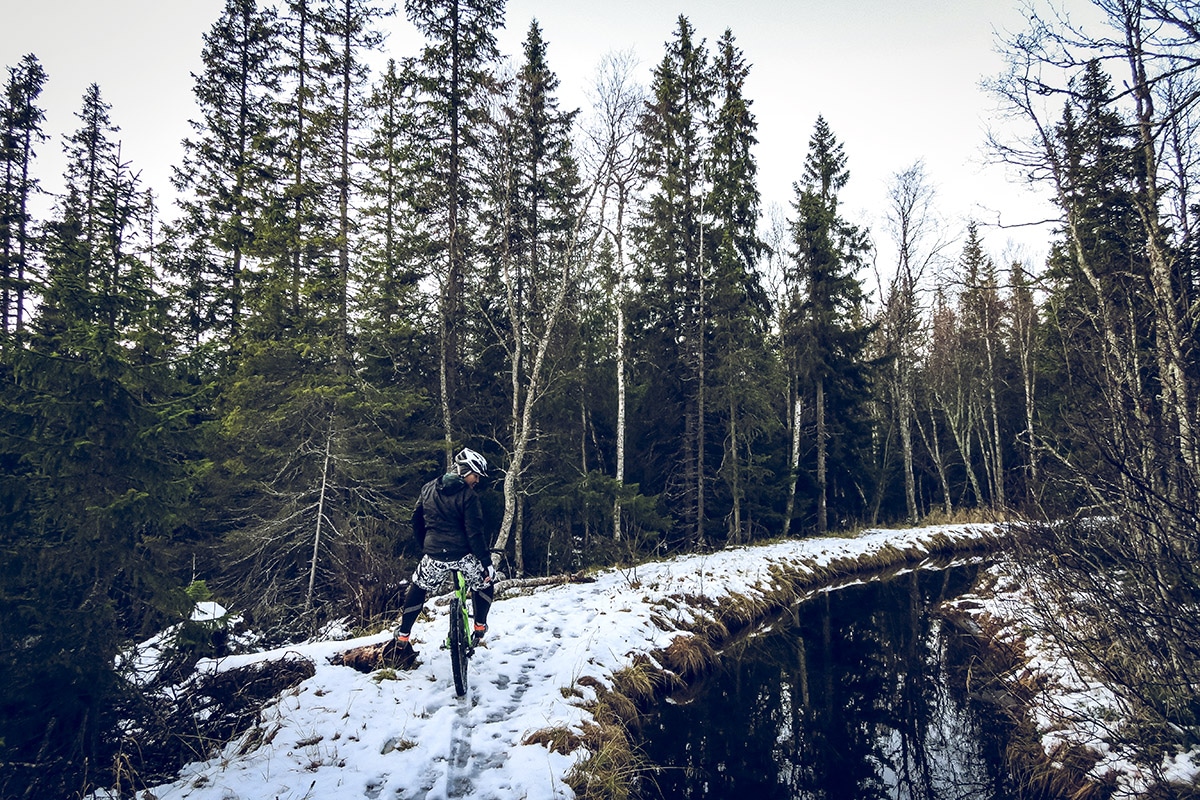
(897, 80)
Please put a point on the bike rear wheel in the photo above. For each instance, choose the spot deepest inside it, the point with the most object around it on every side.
(460, 645)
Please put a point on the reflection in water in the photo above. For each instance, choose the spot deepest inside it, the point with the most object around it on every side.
(857, 693)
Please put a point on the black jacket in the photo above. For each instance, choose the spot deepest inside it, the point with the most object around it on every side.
(448, 520)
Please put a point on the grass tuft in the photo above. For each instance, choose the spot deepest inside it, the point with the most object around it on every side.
(612, 770)
(689, 656)
(639, 682)
(559, 739)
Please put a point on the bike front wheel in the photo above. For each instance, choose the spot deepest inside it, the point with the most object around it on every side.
(460, 645)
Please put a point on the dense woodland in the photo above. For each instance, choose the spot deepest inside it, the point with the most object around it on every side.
(368, 269)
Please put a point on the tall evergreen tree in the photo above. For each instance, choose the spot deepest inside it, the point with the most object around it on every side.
(20, 132)
(95, 473)
(670, 307)
(828, 333)
(456, 78)
(392, 309)
(534, 241)
(1098, 332)
(352, 36)
(226, 173)
(739, 308)
(298, 242)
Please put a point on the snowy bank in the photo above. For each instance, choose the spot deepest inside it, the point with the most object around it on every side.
(1077, 719)
(550, 654)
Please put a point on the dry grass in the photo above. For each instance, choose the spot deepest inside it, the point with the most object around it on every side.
(709, 628)
(688, 656)
(613, 768)
(1062, 774)
(640, 682)
(559, 739)
(741, 611)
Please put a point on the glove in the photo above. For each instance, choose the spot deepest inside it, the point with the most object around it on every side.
(489, 576)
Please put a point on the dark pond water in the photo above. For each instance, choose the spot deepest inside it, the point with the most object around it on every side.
(858, 692)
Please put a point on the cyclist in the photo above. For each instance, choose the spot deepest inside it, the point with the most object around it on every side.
(448, 526)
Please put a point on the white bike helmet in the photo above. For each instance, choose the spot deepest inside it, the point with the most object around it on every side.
(468, 460)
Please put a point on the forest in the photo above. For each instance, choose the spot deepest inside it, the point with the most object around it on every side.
(365, 270)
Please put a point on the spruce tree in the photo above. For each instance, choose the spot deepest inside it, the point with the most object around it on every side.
(392, 308)
(225, 174)
(96, 458)
(455, 75)
(669, 311)
(1099, 331)
(352, 36)
(827, 331)
(739, 308)
(533, 241)
(20, 131)
(298, 228)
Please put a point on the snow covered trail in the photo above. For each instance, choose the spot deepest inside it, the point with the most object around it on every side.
(343, 734)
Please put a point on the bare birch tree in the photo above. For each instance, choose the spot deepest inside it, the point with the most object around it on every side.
(919, 243)
(614, 153)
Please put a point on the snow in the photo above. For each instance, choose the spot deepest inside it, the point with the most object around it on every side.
(208, 611)
(406, 735)
(1070, 708)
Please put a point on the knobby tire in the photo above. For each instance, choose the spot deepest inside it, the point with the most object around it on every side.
(459, 646)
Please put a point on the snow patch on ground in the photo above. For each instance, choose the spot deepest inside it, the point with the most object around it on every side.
(1069, 708)
(345, 734)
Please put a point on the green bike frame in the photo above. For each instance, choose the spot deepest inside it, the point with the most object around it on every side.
(458, 642)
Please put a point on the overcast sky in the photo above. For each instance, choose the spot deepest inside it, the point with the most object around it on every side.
(897, 80)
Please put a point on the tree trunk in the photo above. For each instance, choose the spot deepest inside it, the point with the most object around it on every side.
(620, 396)
(998, 494)
(316, 548)
(343, 287)
(797, 412)
(1170, 336)
(933, 445)
(904, 393)
(822, 498)
(735, 483)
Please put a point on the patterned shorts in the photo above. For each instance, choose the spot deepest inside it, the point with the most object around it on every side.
(431, 573)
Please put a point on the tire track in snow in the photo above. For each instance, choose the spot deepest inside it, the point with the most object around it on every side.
(454, 775)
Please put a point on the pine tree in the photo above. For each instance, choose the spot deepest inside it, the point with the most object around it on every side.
(226, 173)
(20, 131)
(352, 35)
(95, 474)
(393, 310)
(534, 237)
(828, 334)
(1098, 332)
(298, 241)
(670, 307)
(739, 308)
(455, 79)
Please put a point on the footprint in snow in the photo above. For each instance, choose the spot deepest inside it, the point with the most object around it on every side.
(375, 786)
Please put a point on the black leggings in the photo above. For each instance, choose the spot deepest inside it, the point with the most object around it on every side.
(414, 602)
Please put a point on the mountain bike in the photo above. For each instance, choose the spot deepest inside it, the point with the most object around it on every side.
(460, 639)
